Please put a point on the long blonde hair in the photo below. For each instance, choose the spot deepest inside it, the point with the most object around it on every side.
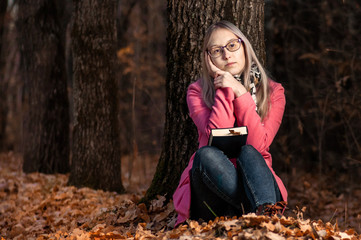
(263, 90)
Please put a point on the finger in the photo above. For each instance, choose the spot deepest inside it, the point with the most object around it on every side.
(218, 81)
(217, 85)
(212, 67)
(214, 70)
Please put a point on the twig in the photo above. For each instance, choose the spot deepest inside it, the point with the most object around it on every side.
(345, 214)
(210, 209)
(355, 160)
(333, 215)
(243, 212)
(352, 134)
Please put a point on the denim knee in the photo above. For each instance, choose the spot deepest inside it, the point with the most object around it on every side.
(207, 155)
(216, 170)
(249, 153)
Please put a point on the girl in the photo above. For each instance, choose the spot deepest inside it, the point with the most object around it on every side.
(234, 90)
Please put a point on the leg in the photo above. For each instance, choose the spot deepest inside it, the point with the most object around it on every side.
(214, 184)
(259, 182)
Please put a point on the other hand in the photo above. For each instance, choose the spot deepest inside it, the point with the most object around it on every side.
(223, 79)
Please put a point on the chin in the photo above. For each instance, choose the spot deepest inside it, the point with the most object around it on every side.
(235, 72)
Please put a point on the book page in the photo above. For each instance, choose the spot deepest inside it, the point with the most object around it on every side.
(226, 132)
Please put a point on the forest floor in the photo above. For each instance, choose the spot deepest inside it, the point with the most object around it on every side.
(39, 206)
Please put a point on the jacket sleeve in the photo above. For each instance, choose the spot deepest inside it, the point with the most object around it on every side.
(261, 134)
(220, 116)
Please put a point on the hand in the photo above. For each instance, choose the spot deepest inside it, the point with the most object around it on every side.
(223, 79)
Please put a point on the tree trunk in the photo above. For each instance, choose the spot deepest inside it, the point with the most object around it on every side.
(3, 105)
(188, 21)
(45, 107)
(96, 145)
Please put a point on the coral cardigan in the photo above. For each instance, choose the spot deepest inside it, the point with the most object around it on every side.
(225, 110)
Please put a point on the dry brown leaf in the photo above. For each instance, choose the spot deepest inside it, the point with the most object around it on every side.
(129, 216)
(274, 236)
(269, 225)
(143, 234)
(80, 234)
(44, 207)
(165, 213)
(98, 227)
(231, 224)
(157, 204)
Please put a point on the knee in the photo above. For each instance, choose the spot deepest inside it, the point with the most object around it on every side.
(206, 155)
(206, 152)
(249, 150)
(249, 154)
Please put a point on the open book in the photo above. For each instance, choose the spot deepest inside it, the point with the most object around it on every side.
(229, 140)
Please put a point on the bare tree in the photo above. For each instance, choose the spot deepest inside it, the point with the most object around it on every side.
(96, 145)
(45, 106)
(188, 21)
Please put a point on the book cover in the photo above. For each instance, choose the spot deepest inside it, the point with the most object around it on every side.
(229, 140)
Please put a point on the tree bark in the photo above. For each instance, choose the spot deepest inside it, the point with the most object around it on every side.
(3, 105)
(45, 106)
(96, 145)
(188, 21)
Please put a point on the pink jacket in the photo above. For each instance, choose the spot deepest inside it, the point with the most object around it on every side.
(222, 115)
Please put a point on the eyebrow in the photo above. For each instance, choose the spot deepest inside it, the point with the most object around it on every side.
(233, 39)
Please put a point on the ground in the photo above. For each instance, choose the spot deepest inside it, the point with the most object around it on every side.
(39, 206)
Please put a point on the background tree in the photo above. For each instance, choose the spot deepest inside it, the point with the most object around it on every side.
(96, 145)
(45, 106)
(141, 75)
(188, 21)
(3, 106)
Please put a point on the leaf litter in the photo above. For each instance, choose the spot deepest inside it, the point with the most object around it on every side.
(40, 206)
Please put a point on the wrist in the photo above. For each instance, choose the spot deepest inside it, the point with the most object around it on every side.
(239, 92)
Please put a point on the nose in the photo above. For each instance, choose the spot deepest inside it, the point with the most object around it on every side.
(225, 53)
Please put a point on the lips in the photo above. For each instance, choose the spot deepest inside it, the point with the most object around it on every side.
(230, 64)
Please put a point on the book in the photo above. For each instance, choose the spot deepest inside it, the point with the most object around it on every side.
(229, 140)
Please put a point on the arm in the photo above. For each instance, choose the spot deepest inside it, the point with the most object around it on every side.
(222, 113)
(261, 134)
(220, 116)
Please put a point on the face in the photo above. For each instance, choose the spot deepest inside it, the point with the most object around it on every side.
(232, 62)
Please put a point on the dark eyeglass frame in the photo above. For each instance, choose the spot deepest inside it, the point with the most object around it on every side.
(239, 40)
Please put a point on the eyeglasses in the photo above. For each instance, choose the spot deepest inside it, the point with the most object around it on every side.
(232, 46)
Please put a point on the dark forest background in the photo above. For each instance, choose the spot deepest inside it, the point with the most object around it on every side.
(313, 48)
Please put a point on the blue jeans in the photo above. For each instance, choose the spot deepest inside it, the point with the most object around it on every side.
(220, 189)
